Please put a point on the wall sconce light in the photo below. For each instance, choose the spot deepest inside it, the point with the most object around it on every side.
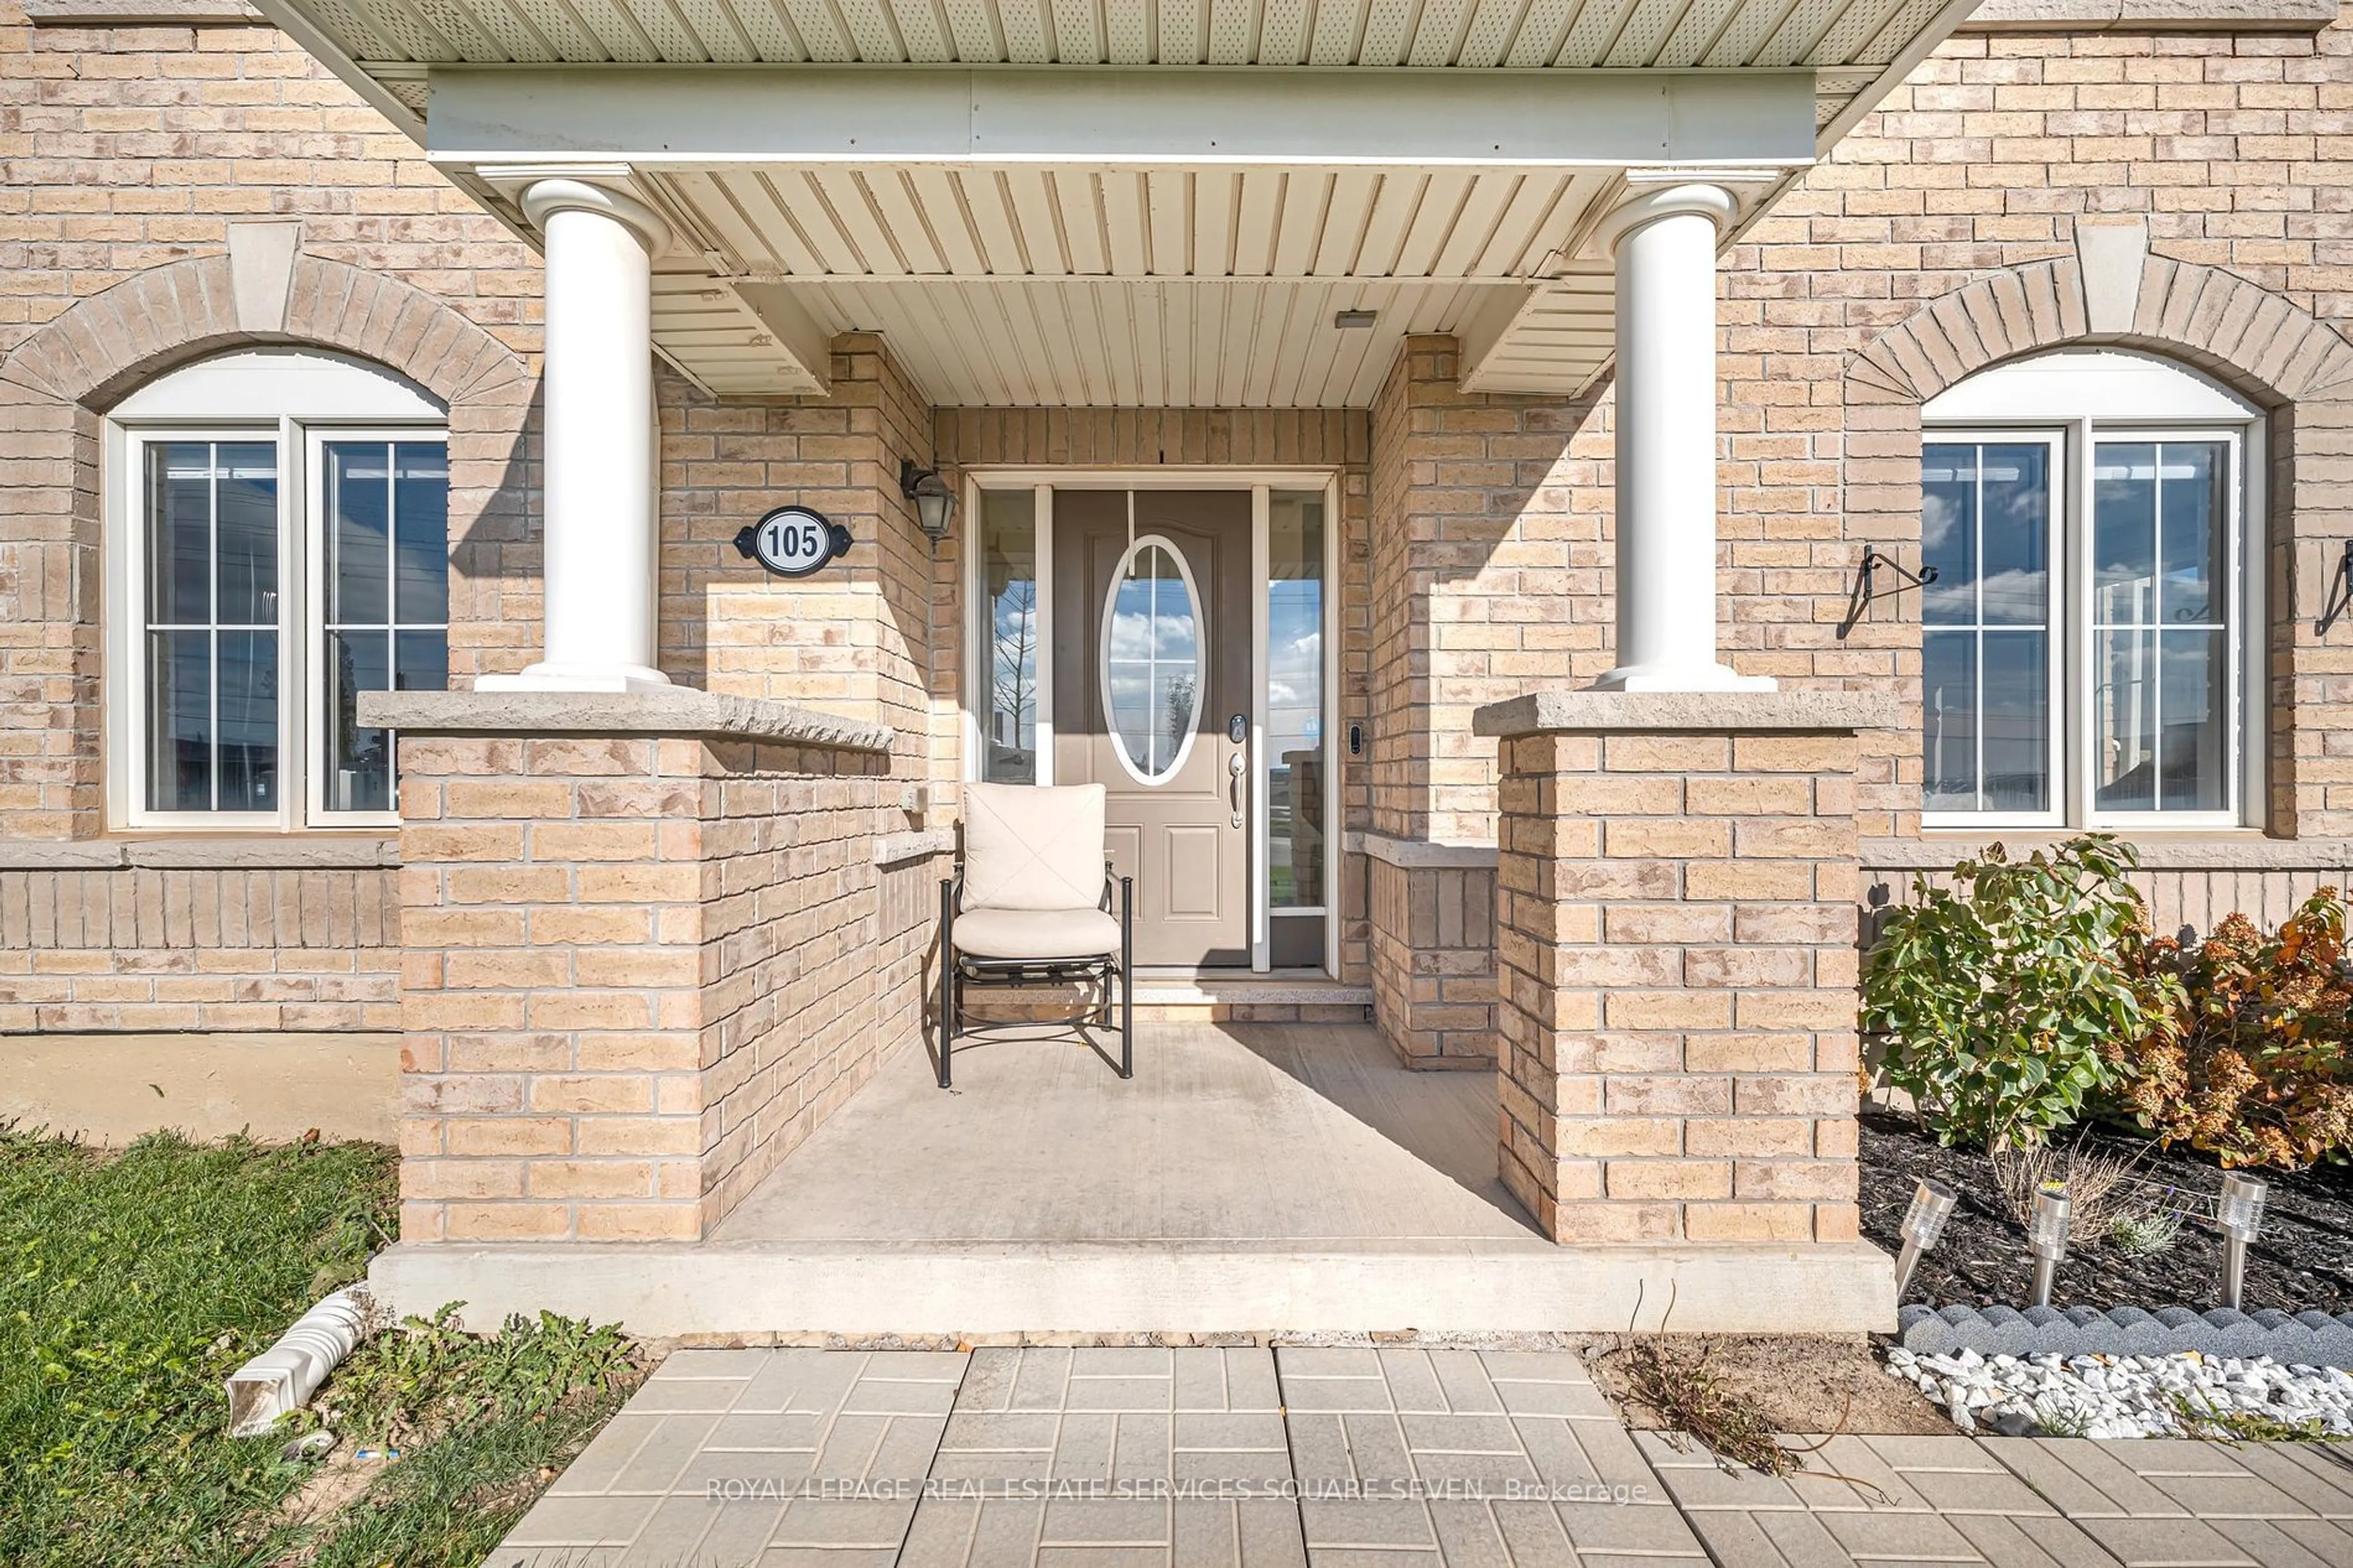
(1924, 1222)
(935, 502)
(2046, 1237)
(2241, 1215)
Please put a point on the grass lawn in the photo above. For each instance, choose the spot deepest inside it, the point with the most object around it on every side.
(132, 1283)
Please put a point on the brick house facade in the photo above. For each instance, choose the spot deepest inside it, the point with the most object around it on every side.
(184, 181)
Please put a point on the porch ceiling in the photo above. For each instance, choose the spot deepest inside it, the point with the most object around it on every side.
(1031, 231)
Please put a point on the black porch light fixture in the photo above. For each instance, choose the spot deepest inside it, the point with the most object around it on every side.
(934, 501)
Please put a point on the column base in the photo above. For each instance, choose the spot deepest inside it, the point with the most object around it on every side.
(1683, 677)
(577, 677)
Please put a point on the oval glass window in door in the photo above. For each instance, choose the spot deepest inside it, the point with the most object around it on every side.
(1152, 659)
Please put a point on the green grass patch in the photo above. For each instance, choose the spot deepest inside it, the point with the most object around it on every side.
(132, 1283)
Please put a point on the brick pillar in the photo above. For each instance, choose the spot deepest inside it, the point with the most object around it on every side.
(1675, 936)
(644, 953)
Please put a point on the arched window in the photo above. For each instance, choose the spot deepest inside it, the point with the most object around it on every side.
(2090, 647)
(277, 542)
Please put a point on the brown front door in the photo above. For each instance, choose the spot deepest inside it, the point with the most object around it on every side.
(1151, 670)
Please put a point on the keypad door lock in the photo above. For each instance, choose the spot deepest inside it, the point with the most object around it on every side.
(1238, 729)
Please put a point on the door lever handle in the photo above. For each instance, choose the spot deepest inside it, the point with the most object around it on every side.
(1235, 767)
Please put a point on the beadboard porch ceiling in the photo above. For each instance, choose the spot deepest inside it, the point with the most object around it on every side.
(1125, 203)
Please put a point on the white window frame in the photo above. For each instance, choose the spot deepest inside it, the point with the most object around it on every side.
(294, 400)
(314, 585)
(2142, 399)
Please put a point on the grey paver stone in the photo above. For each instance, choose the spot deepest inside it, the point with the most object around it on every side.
(1470, 1536)
(2035, 1542)
(1461, 1434)
(1319, 1447)
(1334, 1394)
(1253, 1430)
(844, 1521)
(781, 1431)
(1328, 1361)
(1956, 1453)
(605, 1454)
(1106, 1521)
(2164, 1543)
(1251, 1383)
(1413, 1382)
(1101, 1557)
(2239, 1495)
(1534, 1366)
(1363, 1557)
(1083, 1451)
(999, 1430)
(1044, 1371)
(1122, 1360)
(2044, 1464)
(714, 1395)
(1198, 1380)
(1585, 1453)
(1462, 1375)
(989, 1381)
(2268, 1543)
(1914, 1537)
(1121, 1394)
(1630, 1528)
(794, 1554)
(1977, 1491)
(1377, 1447)
(1365, 1521)
(675, 1534)
(1143, 1446)
(728, 1363)
(900, 1396)
(2320, 1482)
(583, 1522)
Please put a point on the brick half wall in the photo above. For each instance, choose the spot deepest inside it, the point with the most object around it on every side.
(640, 966)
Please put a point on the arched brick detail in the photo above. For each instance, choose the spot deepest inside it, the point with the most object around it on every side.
(2294, 365)
(55, 388)
(105, 346)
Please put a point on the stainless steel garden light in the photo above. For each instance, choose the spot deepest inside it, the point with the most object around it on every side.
(2046, 1237)
(2241, 1213)
(1924, 1222)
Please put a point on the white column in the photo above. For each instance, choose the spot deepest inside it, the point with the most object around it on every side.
(600, 469)
(1664, 246)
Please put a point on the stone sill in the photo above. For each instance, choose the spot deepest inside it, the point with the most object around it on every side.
(1589, 712)
(1937, 850)
(1419, 854)
(679, 711)
(142, 14)
(898, 848)
(2276, 17)
(277, 852)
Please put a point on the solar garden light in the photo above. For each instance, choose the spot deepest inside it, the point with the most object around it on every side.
(2241, 1215)
(2046, 1237)
(1924, 1222)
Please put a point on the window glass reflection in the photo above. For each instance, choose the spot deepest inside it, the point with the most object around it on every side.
(1009, 662)
(1294, 699)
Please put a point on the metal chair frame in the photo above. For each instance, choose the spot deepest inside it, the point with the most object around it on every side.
(961, 971)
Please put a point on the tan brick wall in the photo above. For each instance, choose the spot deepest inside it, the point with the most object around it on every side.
(1676, 965)
(639, 973)
(1433, 968)
(150, 950)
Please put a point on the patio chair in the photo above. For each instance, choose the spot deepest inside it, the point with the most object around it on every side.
(1030, 904)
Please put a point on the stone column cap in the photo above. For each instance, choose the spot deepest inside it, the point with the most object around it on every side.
(679, 710)
(1540, 712)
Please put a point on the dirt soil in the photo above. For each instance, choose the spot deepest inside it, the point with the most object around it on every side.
(2303, 1258)
(1804, 1383)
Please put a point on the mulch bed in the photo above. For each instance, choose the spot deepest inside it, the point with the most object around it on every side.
(2301, 1259)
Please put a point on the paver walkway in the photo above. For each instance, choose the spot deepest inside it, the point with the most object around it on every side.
(1396, 1458)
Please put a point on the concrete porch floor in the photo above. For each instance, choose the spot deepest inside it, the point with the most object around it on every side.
(1250, 1178)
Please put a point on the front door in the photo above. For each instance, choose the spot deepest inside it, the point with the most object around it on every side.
(1152, 701)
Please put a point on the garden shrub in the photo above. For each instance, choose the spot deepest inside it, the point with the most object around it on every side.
(2254, 1066)
(2003, 998)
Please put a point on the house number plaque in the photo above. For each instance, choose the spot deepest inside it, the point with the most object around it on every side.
(794, 541)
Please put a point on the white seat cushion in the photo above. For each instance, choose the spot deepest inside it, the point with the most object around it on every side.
(1037, 933)
(1027, 848)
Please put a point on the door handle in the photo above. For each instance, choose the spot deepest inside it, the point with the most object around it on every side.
(1235, 767)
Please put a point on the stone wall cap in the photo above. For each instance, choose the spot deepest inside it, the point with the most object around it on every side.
(1419, 854)
(141, 13)
(1938, 850)
(2150, 16)
(275, 852)
(681, 711)
(1540, 712)
(898, 848)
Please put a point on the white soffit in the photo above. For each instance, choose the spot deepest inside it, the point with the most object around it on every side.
(1108, 201)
